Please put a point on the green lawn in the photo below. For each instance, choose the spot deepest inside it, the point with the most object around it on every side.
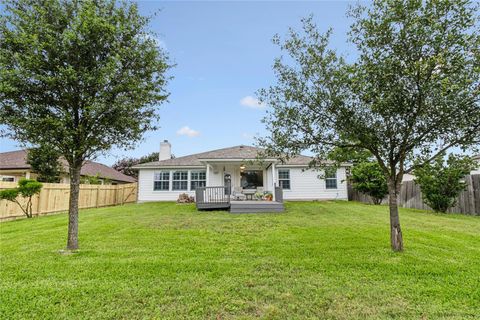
(317, 260)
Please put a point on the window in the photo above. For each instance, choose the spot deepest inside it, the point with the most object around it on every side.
(251, 179)
(284, 179)
(8, 179)
(161, 181)
(331, 179)
(180, 180)
(198, 179)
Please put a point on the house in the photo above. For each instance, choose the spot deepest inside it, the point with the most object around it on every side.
(236, 168)
(13, 166)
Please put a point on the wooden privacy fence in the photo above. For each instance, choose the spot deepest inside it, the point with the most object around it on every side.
(411, 197)
(54, 197)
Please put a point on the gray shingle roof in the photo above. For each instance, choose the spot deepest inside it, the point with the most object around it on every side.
(237, 152)
(18, 160)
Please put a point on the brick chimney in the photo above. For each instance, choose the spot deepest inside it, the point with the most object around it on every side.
(165, 151)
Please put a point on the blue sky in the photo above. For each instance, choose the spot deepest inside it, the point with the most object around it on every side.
(224, 53)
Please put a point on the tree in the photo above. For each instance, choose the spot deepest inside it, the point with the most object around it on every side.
(410, 93)
(96, 179)
(27, 188)
(441, 181)
(82, 76)
(352, 155)
(368, 178)
(44, 161)
(125, 165)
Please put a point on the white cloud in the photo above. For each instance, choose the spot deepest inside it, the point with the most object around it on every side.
(187, 131)
(251, 102)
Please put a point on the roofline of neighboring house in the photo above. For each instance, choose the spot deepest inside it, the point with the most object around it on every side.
(15, 168)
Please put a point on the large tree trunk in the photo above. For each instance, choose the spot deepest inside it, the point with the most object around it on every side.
(396, 239)
(72, 242)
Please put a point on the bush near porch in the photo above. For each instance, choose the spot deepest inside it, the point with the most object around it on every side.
(318, 259)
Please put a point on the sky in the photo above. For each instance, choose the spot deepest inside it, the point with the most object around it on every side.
(223, 54)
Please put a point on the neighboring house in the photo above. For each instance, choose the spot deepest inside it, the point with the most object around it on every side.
(411, 177)
(13, 166)
(234, 168)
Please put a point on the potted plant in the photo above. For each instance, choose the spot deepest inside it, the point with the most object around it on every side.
(268, 196)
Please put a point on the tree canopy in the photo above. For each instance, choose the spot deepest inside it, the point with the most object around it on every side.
(44, 161)
(125, 165)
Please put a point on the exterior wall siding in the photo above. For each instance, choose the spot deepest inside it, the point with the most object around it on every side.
(305, 185)
(145, 186)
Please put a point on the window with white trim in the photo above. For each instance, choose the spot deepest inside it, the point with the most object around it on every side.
(180, 181)
(161, 181)
(331, 178)
(198, 179)
(284, 178)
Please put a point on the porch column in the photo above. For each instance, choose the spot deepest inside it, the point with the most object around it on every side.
(273, 180)
(208, 176)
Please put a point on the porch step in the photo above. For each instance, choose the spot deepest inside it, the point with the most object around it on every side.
(255, 206)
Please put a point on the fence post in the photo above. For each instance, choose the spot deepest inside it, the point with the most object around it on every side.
(97, 196)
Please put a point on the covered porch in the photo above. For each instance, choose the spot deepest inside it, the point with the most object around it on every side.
(241, 176)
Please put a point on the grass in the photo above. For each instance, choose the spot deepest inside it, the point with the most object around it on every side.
(318, 260)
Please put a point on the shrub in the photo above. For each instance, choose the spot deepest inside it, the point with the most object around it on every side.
(441, 181)
(368, 178)
(27, 188)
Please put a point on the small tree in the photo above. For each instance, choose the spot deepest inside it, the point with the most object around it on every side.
(125, 165)
(26, 189)
(82, 76)
(44, 161)
(368, 178)
(441, 181)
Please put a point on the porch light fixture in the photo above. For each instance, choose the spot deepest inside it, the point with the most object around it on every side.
(242, 167)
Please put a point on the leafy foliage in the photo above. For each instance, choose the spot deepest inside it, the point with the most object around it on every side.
(368, 178)
(9, 194)
(412, 92)
(82, 76)
(96, 180)
(27, 188)
(125, 165)
(45, 162)
(441, 182)
(352, 155)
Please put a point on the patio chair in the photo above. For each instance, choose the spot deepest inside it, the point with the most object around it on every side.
(237, 193)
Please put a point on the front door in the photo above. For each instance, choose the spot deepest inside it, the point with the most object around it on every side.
(227, 182)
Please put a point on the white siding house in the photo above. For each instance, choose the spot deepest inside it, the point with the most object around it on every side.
(239, 169)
